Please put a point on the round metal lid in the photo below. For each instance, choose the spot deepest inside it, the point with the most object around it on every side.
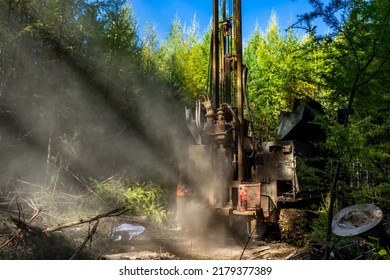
(356, 219)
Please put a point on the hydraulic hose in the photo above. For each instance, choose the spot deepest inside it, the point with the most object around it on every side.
(198, 108)
(244, 81)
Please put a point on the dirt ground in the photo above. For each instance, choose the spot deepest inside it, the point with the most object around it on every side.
(192, 250)
(188, 246)
(153, 243)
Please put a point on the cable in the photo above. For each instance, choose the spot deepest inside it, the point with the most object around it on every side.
(247, 242)
(244, 79)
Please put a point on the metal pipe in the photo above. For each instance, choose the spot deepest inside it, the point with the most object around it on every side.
(238, 56)
(215, 62)
(224, 70)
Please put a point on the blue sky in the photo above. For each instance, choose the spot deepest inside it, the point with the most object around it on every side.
(162, 12)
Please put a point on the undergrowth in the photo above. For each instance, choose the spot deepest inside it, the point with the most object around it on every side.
(141, 198)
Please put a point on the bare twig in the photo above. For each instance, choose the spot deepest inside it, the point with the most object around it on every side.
(32, 204)
(87, 187)
(20, 209)
(57, 175)
(23, 182)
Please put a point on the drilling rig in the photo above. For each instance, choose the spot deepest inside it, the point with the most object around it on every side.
(237, 176)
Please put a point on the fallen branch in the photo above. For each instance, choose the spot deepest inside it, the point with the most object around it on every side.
(112, 213)
(26, 225)
(291, 255)
(89, 237)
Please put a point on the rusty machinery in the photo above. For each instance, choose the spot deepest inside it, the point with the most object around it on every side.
(236, 175)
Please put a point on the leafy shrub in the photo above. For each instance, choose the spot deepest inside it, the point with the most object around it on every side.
(147, 199)
(319, 224)
(141, 198)
(112, 191)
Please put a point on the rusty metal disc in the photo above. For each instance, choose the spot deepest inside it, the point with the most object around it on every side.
(356, 219)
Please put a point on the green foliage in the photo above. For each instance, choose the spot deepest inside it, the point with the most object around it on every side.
(111, 191)
(356, 53)
(319, 224)
(185, 59)
(377, 252)
(313, 173)
(3, 218)
(280, 70)
(120, 28)
(141, 198)
(364, 192)
(9, 254)
(147, 199)
(149, 48)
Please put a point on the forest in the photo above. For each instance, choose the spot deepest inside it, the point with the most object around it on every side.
(92, 107)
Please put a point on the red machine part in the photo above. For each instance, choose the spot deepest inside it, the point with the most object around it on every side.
(249, 197)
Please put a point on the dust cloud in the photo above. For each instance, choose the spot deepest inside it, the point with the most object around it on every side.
(61, 118)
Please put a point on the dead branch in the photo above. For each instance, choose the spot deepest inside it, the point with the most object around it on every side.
(290, 255)
(89, 237)
(20, 209)
(27, 227)
(112, 213)
(38, 211)
(23, 182)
